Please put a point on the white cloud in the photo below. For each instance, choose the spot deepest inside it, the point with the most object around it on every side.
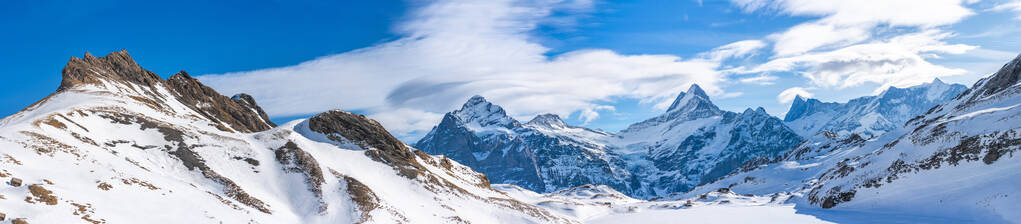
(1012, 6)
(851, 43)
(788, 95)
(898, 61)
(454, 49)
(764, 80)
(810, 36)
(734, 50)
(926, 13)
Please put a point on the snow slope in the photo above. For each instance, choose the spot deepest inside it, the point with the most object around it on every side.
(602, 204)
(113, 146)
(952, 164)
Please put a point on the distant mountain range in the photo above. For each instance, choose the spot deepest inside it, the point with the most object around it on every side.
(869, 115)
(693, 142)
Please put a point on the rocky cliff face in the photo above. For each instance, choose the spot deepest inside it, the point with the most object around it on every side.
(869, 116)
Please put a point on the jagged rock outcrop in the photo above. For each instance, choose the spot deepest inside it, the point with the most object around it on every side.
(240, 112)
(346, 127)
(114, 67)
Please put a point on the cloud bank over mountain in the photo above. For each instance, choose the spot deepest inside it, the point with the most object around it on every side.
(451, 50)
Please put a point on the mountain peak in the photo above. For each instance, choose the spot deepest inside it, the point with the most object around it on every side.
(478, 109)
(476, 99)
(937, 81)
(798, 99)
(694, 96)
(548, 120)
(697, 91)
(1007, 76)
(116, 67)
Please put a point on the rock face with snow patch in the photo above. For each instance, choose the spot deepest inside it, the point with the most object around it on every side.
(869, 116)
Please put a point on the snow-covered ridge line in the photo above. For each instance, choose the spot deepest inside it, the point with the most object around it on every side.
(118, 148)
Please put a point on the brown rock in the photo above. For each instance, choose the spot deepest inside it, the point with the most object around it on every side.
(19, 221)
(241, 112)
(15, 182)
(370, 135)
(42, 194)
(116, 67)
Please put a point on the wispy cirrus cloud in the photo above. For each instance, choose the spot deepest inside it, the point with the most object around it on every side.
(852, 43)
(451, 50)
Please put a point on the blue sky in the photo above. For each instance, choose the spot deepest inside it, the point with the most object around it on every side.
(602, 64)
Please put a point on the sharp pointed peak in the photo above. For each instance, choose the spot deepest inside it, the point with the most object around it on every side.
(937, 81)
(114, 67)
(478, 109)
(476, 99)
(799, 99)
(696, 90)
(181, 75)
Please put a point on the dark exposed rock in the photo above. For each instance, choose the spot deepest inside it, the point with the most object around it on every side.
(370, 135)
(239, 113)
(1006, 77)
(41, 194)
(294, 159)
(15, 182)
(116, 66)
(364, 198)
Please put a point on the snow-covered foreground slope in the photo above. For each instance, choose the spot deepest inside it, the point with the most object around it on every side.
(118, 145)
(954, 163)
(602, 204)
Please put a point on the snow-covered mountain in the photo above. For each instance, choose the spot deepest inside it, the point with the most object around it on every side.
(116, 144)
(694, 142)
(868, 116)
(955, 162)
(542, 155)
(691, 143)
